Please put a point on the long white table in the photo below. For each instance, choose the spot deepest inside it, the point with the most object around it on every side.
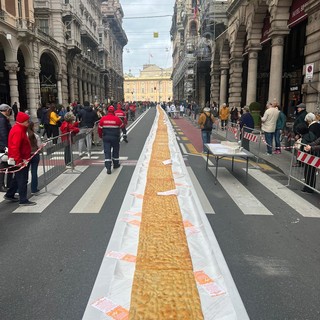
(220, 151)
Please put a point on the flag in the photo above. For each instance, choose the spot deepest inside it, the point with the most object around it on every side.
(151, 56)
(156, 34)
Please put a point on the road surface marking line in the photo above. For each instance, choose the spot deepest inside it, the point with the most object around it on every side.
(191, 148)
(206, 206)
(94, 198)
(183, 148)
(242, 197)
(55, 188)
(296, 202)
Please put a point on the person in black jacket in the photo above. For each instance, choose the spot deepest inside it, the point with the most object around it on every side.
(313, 124)
(300, 115)
(87, 117)
(15, 110)
(5, 127)
(246, 125)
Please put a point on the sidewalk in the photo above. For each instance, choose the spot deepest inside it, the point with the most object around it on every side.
(281, 162)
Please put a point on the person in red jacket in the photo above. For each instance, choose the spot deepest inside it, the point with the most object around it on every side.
(109, 130)
(19, 152)
(122, 115)
(69, 128)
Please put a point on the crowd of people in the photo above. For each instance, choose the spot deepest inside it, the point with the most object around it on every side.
(21, 142)
(306, 128)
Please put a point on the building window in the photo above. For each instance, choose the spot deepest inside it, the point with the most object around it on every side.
(44, 25)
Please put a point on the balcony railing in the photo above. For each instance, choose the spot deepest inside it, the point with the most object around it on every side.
(42, 4)
(9, 19)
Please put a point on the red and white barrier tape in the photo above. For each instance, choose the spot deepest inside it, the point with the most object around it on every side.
(234, 130)
(265, 142)
(308, 159)
(250, 136)
(21, 165)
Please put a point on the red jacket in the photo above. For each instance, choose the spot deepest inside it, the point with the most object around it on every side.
(122, 115)
(110, 125)
(67, 127)
(19, 147)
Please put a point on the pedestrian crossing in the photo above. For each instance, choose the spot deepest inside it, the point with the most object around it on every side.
(248, 203)
(94, 198)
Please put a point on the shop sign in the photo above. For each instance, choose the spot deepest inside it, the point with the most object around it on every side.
(309, 71)
(297, 13)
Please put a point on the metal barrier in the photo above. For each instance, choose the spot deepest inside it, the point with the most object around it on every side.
(304, 169)
(63, 154)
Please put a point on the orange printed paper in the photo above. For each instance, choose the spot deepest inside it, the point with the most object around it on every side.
(202, 278)
(119, 313)
(129, 258)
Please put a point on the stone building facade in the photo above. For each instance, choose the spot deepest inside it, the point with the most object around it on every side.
(60, 51)
(153, 84)
(269, 51)
(195, 26)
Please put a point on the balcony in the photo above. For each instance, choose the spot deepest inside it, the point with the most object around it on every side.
(115, 25)
(72, 10)
(41, 5)
(25, 28)
(87, 33)
(74, 47)
(7, 18)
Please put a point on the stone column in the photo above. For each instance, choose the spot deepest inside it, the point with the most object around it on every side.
(235, 82)
(12, 68)
(275, 81)
(252, 76)
(85, 96)
(31, 82)
(59, 87)
(223, 85)
(215, 83)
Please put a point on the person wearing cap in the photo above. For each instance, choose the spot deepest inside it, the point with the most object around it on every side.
(109, 130)
(206, 121)
(68, 126)
(5, 127)
(300, 115)
(122, 115)
(19, 152)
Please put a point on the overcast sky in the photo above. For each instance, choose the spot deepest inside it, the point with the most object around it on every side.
(140, 24)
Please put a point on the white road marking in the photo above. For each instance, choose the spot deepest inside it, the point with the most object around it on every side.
(296, 202)
(210, 163)
(242, 197)
(94, 198)
(183, 148)
(206, 206)
(55, 188)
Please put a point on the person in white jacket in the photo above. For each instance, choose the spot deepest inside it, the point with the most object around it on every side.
(268, 124)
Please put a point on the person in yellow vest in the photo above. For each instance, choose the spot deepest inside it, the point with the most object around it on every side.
(224, 115)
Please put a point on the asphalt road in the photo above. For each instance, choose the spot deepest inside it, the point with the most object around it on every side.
(49, 261)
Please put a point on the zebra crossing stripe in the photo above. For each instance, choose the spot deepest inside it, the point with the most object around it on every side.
(243, 198)
(55, 188)
(299, 204)
(206, 206)
(94, 198)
